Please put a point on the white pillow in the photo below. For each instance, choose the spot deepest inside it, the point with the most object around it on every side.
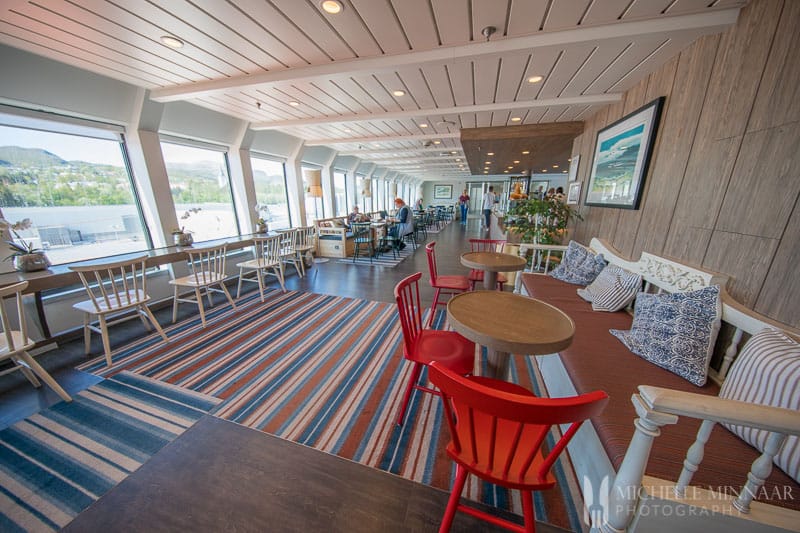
(612, 289)
(767, 372)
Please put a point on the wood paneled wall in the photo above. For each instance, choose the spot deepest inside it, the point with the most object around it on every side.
(724, 182)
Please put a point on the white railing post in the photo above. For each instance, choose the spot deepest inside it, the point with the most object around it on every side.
(694, 456)
(759, 472)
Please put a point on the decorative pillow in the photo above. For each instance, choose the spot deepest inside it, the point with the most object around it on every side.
(767, 372)
(338, 223)
(676, 331)
(579, 266)
(326, 224)
(613, 289)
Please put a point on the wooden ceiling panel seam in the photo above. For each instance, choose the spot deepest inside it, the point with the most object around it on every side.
(633, 69)
(606, 12)
(526, 14)
(311, 22)
(576, 72)
(384, 79)
(314, 91)
(418, 89)
(268, 103)
(569, 61)
(609, 64)
(346, 94)
(452, 25)
(648, 8)
(276, 103)
(377, 92)
(418, 23)
(375, 12)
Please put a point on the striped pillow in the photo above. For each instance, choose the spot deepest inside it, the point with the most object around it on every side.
(767, 372)
(613, 289)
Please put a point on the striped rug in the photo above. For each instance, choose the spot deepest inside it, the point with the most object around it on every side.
(56, 463)
(327, 372)
(386, 259)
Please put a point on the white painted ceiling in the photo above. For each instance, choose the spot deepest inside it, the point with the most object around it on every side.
(251, 58)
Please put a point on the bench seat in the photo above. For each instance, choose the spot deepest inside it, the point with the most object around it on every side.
(598, 360)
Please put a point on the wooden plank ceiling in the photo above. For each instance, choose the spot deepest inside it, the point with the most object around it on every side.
(391, 81)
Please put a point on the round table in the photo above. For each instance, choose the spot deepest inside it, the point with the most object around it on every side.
(508, 323)
(491, 263)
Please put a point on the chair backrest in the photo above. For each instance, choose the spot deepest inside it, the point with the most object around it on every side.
(360, 229)
(268, 248)
(288, 239)
(431, 261)
(208, 264)
(409, 308)
(305, 236)
(485, 245)
(14, 343)
(506, 430)
(114, 285)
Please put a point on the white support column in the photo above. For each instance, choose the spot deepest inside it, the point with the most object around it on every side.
(244, 189)
(352, 191)
(328, 202)
(294, 186)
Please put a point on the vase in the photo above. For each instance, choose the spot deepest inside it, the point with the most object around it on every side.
(262, 228)
(183, 239)
(31, 262)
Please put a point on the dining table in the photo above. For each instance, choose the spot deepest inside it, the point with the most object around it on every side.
(507, 323)
(491, 263)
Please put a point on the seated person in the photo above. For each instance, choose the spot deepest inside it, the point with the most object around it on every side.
(384, 215)
(404, 223)
(355, 216)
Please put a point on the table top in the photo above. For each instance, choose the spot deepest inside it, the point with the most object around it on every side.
(510, 323)
(493, 261)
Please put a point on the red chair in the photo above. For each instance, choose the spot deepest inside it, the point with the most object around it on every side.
(447, 285)
(497, 430)
(422, 346)
(484, 245)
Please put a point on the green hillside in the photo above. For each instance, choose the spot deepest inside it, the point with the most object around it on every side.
(17, 156)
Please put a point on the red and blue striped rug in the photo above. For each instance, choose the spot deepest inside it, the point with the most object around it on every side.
(327, 372)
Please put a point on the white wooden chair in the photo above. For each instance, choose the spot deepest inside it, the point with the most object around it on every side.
(289, 253)
(14, 343)
(267, 262)
(207, 267)
(305, 242)
(114, 289)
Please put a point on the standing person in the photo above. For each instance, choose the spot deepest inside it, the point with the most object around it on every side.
(404, 223)
(489, 199)
(419, 205)
(463, 201)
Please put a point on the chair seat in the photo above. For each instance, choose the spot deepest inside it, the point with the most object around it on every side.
(257, 263)
(447, 347)
(134, 298)
(203, 279)
(303, 248)
(477, 275)
(452, 282)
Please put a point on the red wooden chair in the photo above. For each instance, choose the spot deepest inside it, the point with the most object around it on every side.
(421, 346)
(447, 285)
(497, 430)
(484, 245)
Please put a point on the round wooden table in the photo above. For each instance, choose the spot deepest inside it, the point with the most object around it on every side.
(491, 263)
(508, 323)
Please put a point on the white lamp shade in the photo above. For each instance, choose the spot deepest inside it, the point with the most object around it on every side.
(314, 180)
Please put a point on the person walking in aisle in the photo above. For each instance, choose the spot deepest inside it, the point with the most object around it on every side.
(489, 199)
(463, 201)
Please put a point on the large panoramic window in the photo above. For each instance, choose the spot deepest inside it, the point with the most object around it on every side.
(381, 194)
(201, 190)
(340, 193)
(69, 195)
(313, 198)
(269, 178)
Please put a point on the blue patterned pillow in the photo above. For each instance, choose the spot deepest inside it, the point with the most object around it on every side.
(676, 331)
(579, 265)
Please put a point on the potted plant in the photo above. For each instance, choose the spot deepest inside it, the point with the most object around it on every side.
(263, 217)
(26, 257)
(541, 221)
(183, 237)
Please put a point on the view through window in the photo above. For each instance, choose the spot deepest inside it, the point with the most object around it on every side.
(75, 190)
(201, 190)
(314, 207)
(340, 193)
(269, 178)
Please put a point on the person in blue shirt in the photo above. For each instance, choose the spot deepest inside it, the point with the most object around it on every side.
(404, 222)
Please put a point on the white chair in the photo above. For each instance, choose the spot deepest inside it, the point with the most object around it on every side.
(207, 267)
(305, 242)
(289, 253)
(14, 344)
(114, 289)
(267, 262)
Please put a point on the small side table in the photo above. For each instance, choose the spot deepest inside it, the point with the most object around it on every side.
(491, 263)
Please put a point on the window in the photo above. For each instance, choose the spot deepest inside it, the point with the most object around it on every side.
(201, 190)
(381, 188)
(340, 206)
(315, 209)
(362, 182)
(51, 178)
(269, 178)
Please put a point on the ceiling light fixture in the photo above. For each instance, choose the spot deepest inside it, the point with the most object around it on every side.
(544, 170)
(172, 42)
(348, 130)
(332, 6)
(535, 79)
(457, 160)
(488, 163)
(294, 104)
(555, 166)
(423, 125)
(516, 162)
(399, 93)
(437, 142)
(515, 119)
(490, 153)
(453, 152)
(526, 152)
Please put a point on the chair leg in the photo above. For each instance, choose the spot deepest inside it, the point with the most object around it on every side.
(455, 498)
(433, 307)
(175, 305)
(87, 334)
(302, 264)
(279, 271)
(26, 371)
(104, 336)
(44, 376)
(227, 294)
(260, 277)
(239, 284)
(527, 511)
(199, 296)
(412, 381)
(154, 321)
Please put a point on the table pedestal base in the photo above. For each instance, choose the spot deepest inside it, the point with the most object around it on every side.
(489, 280)
(497, 364)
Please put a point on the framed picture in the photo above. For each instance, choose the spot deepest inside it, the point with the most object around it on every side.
(573, 167)
(574, 192)
(536, 192)
(621, 158)
(442, 192)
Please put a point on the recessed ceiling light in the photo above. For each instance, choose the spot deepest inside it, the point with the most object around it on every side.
(348, 130)
(569, 160)
(423, 125)
(399, 93)
(515, 119)
(555, 166)
(490, 153)
(485, 172)
(332, 6)
(544, 170)
(437, 142)
(294, 104)
(457, 160)
(488, 163)
(526, 152)
(535, 79)
(563, 171)
(172, 42)
(453, 152)
(516, 162)
(509, 168)
(505, 171)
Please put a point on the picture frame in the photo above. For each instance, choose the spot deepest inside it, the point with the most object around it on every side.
(573, 167)
(534, 186)
(442, 192)
(622, 156)
(574, 192)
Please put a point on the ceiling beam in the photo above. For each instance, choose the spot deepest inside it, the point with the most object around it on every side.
(712, 22)
(397, 150)
(385, 139)
(589, 99)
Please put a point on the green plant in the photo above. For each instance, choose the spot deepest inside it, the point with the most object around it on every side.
(18, 244)
(541, 221)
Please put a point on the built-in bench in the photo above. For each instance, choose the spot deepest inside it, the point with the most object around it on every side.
(614, 448)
